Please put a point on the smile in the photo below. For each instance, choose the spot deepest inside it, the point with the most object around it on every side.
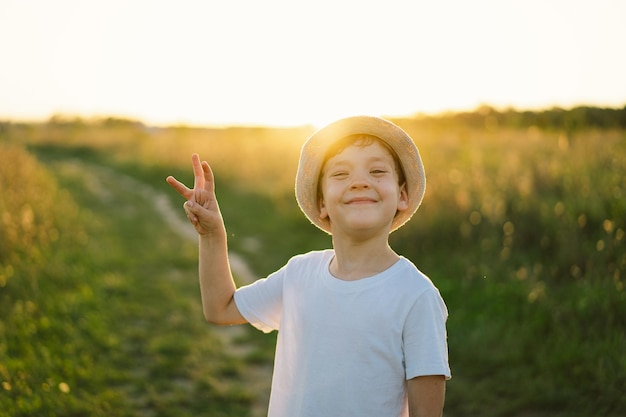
(361, 200)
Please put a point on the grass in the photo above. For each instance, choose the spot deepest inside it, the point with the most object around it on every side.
(109, 323)
(521, 229)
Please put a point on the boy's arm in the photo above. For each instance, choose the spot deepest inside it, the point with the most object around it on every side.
(426, 395)
(216, 282)
(217, 287)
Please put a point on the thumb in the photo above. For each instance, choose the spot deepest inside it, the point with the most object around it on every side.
(192, 206)
(188, 207)
(195, 207)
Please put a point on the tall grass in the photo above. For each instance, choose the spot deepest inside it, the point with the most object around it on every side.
(524, 232)
(96, 318)
(37, 218)
(521, 229)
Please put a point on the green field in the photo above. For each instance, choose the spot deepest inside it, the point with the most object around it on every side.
(522, 229)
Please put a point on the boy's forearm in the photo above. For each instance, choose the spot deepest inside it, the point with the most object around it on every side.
(426, 396)
(216, 281)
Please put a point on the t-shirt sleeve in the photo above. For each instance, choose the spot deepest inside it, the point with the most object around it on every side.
(261, 303)
(425, 337)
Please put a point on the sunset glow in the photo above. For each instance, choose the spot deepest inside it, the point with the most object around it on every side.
(288, 63)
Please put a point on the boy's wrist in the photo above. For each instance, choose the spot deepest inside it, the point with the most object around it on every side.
(213, 236)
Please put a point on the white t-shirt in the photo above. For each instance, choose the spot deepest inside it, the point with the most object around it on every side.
(346, 348)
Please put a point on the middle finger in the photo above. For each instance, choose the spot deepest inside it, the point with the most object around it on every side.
(198, 173)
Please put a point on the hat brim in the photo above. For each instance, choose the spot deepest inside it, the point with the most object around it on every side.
(314, 150)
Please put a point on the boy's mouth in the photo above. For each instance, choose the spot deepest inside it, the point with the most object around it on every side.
(361, 200)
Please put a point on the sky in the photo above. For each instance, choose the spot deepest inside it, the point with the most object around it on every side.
(285, 63)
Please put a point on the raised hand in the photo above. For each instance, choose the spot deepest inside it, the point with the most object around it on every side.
(201, 206)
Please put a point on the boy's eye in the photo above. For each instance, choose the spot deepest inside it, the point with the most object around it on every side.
(378, 171)
(338, 174)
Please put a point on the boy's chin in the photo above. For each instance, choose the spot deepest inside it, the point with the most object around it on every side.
(361, 228)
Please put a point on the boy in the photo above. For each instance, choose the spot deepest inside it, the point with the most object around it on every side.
(361, 329)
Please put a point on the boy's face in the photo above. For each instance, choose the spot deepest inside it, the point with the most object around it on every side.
(360, 190)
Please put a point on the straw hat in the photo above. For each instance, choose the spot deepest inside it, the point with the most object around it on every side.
(314, 150)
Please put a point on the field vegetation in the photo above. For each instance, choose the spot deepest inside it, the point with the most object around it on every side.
(522, 229)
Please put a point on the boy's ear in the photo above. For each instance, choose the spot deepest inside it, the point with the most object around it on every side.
(403, 198)
(322, 207)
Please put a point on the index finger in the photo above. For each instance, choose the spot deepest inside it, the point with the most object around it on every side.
(179, 187)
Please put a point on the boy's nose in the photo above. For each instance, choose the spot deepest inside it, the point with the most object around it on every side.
(358, 182)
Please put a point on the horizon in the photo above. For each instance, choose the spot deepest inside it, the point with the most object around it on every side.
(442, 114)
(104, 117)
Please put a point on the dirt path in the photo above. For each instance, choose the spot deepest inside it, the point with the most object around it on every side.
(171, 215)
(258, 377)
